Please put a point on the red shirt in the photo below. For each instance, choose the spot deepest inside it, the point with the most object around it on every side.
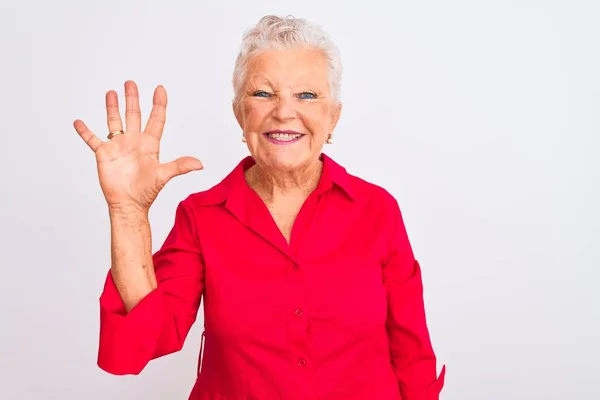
(337, 314)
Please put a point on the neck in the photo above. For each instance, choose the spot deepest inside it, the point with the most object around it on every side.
(271, 185)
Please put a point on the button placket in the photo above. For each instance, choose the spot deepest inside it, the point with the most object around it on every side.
(297, 324)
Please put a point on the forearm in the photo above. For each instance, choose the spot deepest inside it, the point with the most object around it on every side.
(412, 353)
(158, 325)
(132, 267)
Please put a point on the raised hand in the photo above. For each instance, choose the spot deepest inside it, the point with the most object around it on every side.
(129, 170)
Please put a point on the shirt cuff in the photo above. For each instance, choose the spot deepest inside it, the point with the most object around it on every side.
(127, 339)
(432, 392)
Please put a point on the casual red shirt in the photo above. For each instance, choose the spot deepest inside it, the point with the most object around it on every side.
(337, 314)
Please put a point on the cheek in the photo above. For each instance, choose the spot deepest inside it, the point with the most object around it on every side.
(317, 118)
(254, 115)
(247, 110)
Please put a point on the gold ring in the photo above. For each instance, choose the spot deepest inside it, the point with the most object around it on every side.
(115, 133)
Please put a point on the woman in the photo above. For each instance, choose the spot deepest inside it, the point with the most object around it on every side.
(309, 284)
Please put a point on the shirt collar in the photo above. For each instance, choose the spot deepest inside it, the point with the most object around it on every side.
(334, 175)
(234, 186)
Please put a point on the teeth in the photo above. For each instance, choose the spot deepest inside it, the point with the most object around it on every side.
(284, 136)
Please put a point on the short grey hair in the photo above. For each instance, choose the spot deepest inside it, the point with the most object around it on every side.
(273, 32)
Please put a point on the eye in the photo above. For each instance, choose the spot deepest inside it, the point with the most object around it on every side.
(261, 93)
(307, 95)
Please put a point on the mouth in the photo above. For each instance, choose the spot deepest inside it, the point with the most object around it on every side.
(283, 137)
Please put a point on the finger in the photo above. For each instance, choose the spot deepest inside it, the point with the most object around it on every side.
(158, 115)
(113, 115)
(87, 135)
(178, 167)
(133, 115)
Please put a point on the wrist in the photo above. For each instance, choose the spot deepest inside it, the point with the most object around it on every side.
(128, 213)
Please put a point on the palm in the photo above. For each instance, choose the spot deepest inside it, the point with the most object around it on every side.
(129, 170)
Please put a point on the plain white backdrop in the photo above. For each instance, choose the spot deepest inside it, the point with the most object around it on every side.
(481, 117)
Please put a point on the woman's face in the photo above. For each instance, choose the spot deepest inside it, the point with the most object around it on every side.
(285, 108)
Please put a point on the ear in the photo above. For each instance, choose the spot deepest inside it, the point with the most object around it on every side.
(335, 116)
(238, 114)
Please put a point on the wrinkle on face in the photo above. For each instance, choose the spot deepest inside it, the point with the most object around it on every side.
(278, 95)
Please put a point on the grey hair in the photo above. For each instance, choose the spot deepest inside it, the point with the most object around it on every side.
(273, 32)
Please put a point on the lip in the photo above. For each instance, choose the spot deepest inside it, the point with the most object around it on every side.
(281, 142)
(289, 132)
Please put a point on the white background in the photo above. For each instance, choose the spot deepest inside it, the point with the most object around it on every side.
(481, 117)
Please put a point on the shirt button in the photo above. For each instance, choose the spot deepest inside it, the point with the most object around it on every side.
(301, 362)
(298, 312)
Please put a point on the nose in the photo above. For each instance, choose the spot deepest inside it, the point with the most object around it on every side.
(284, 108)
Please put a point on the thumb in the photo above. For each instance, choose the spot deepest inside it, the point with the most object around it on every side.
(180, 166)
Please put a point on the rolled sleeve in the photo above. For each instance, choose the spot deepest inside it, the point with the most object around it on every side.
(160, 322)
(122, 349)
(411, 350)
(432, 392)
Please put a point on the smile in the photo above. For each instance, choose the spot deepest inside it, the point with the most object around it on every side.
(283, 137)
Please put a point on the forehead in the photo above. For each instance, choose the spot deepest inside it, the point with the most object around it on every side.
(288, 67)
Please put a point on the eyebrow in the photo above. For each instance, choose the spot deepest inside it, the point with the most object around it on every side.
(302, 83)
(260, 81)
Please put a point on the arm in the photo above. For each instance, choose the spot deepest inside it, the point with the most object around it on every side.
(132, 270)
(149, 303)
(410, 346)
